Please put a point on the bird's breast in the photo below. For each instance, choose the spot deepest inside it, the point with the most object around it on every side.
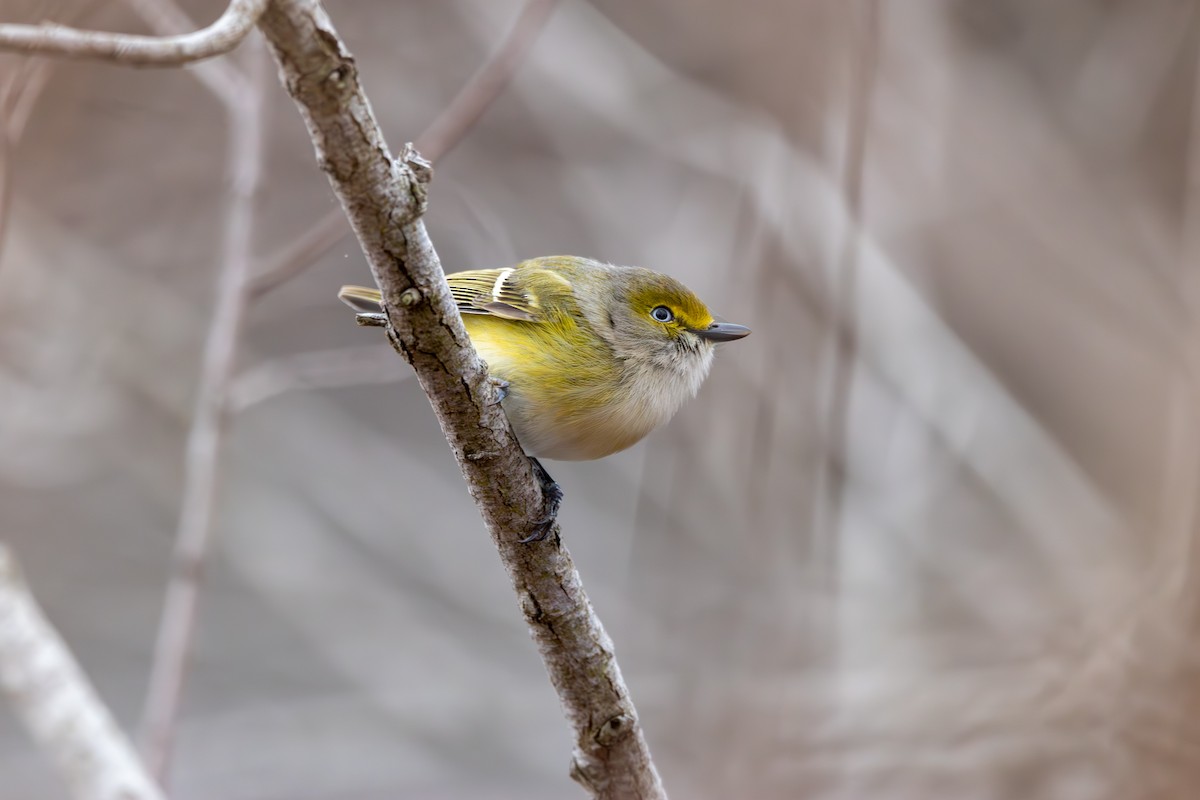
(570, 402)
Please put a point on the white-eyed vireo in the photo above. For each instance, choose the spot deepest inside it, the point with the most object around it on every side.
(591, 357)
(594, 356)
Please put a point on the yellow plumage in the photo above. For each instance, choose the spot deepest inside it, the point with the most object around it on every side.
(590, 369)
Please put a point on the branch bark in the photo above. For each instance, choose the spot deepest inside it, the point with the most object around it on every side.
(56, 702)
(127, 48)
(442, 135)
(384, 199)
(219, 75)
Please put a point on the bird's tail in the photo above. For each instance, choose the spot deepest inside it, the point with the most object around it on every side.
(361, 299)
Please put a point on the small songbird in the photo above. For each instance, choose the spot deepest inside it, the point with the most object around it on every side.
(590, 357)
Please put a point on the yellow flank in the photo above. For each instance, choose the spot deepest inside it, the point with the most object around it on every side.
(595, 356)
(564, 389)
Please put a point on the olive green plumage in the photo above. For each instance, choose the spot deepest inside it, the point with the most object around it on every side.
(595, 356)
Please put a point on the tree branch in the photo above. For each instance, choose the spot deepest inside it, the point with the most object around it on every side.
(220, 76)
(384, 199)
(206, 436)
(56, 702)
(218, 396)
(442, 135)
(126, 48)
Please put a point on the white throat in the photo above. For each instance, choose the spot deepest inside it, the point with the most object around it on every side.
(657, 390)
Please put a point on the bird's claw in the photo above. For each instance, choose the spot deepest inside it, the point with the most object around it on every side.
(501, 389)
(552, 496)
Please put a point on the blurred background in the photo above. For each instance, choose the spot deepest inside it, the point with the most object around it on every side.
(929, 532)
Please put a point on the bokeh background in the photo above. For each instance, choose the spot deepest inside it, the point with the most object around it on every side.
(929, 532)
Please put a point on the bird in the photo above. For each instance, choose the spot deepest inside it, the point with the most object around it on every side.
(590, 357)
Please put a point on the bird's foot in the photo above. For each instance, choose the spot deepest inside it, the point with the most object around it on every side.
(552, 496)
(501, 389)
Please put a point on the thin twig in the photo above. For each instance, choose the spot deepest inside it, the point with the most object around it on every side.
(173, 645)
(220, 76)
(301, 254)
(442, 135)
(318, 369)
(127, 48)
(57, 703)
(384, 199)
(488, 82)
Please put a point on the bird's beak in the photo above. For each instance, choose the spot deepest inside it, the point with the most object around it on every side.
(722, 332)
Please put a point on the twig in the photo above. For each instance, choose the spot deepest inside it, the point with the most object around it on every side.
(442, 135)
(318, 369)
(57, 703)
(384, 199)
(127, 48)
(220, 76)
(478, 94)
(301, 254)
(172, 648)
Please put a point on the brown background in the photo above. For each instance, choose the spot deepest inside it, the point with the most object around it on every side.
(967, 574)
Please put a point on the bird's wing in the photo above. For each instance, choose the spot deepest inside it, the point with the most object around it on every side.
(361, 299)
(524, 294)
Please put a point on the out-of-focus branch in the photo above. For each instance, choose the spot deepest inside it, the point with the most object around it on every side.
(19, 92)
(127, 48)
(317, 369)
(843, 339)
(18, 97)
(384, 199)
(446, 131)
(173, 645)
(301, 254)
(58, 705)
(1182, 467)
(487, 83)
(165, 18)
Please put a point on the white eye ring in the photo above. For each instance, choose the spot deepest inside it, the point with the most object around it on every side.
(661, 314)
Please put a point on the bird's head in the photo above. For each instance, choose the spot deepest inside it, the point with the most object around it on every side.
(657, 320)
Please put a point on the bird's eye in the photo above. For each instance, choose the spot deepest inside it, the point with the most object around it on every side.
(662, 314)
